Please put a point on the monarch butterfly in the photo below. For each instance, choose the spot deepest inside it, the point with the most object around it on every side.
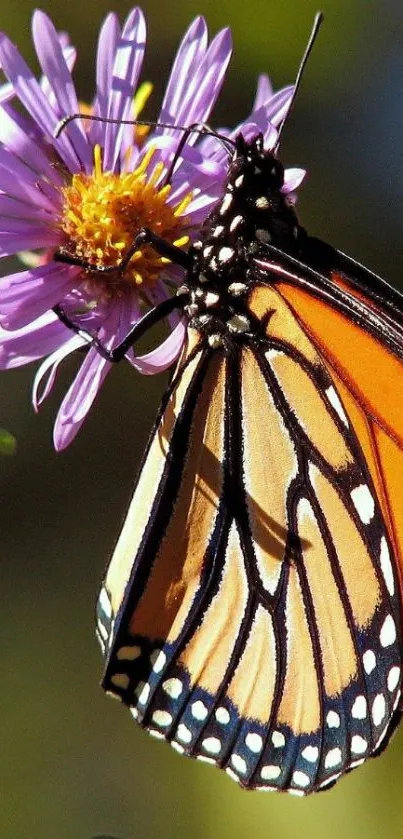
(251, 613)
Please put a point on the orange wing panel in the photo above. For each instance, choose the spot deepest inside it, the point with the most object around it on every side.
(371, 372)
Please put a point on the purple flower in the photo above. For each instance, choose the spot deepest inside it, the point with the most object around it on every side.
(90, 190)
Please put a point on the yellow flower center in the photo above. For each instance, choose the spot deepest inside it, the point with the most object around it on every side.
(102, 214)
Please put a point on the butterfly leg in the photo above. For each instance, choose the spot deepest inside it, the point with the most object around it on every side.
(145, 236)
(164, 248)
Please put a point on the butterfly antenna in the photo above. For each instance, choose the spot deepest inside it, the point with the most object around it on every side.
(319, 18)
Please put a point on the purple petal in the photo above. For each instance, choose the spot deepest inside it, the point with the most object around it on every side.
(64, 39)
(31, 239)
(69, 55)
(32, 341)
(14, 208)
(203, 89)
(16, 132)
(89, 378)
(293, 179)
(163, 356)
(29, 92)
(27, 295)
(19, 181)
(6, 92)
(277, 107)
(264, 91)
(107, 43)
(126, 70)
(79, 398)
(50, 366)
(52, 61)
(190, 52)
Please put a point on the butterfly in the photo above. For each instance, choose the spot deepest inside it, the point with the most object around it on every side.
(251, 614)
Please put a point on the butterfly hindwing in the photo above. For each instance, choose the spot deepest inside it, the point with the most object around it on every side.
(254, 616)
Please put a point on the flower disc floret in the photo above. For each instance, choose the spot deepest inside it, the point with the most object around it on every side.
(102, 213)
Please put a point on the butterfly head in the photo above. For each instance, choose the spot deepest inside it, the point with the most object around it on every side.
(254, 169)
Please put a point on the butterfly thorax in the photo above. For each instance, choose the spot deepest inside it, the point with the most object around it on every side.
(253, 214)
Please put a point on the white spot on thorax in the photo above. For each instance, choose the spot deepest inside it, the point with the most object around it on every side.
(236, 221)
(239, 181)
(208, 250)
(215, 341)
(225, 254)
(211, 299)
(238, 323)
(262, 203)
(226, 203)
(218, 231)
(237, 288)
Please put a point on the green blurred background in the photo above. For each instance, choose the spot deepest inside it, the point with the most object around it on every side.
(72, 763)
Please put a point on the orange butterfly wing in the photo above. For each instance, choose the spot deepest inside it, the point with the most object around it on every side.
(251, 612)
(369, 379)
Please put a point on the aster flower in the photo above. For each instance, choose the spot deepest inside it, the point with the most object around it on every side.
(92, 188)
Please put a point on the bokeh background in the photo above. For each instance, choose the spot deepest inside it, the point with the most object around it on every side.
(72, 763)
